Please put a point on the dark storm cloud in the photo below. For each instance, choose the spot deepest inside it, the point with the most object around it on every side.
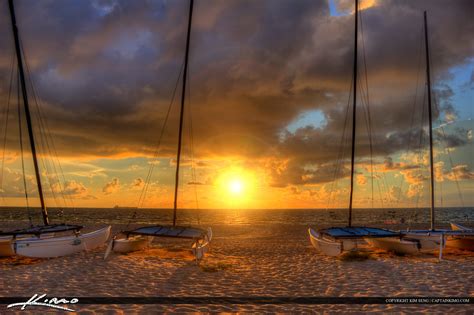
(453, 140)
(106, 70)
(294, 174)
(389, 165)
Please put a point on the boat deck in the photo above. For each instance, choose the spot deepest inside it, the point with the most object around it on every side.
(441, 232)
(187, 232)
(43, 229)
(357, 232)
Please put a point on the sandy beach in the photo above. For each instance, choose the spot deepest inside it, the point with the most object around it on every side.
(272, 260)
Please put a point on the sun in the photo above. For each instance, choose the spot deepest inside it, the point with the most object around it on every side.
(236, 186)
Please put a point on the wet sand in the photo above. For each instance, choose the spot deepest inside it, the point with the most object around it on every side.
(272, 260)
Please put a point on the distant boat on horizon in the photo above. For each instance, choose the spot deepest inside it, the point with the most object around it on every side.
(123, 207)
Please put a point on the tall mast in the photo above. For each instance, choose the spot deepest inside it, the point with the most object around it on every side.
(183, 96)
(354, 110)
(27, 111)
(428, 78)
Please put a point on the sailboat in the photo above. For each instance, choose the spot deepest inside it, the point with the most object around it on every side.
(140, 238)
(335, 240)
(41, 241)
(416, 241)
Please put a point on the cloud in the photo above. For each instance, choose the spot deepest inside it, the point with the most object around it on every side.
(452, 140)
(320, 194)
(394, 193)
(134, 167)
(288, 172)
(111, 187)
(188, 162)
(195, 183)
(361, 179)
(389, 165)
(13, 186)
(415, 190)
(77, 190)
(460, 172)
(471, 81)
(414, 177)
(138, 183)
(439, 171)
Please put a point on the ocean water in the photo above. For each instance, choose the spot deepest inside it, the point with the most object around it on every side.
(211, 217)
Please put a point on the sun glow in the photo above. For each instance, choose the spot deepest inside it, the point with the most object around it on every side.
(342, 7)
(236, 185)
(366, 4)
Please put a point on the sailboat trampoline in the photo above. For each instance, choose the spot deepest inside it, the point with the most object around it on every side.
(357, 232)
(188, 232)
(43, 229)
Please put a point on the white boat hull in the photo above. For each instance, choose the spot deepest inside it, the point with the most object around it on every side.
(428, 241)
(350, 244)
(410, 243)
(199, 249)
(61, 246)
(325, 246)
(7, 244)
(131, 244)
(397, 245)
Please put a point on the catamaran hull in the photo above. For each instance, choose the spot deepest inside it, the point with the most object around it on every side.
(325, 246)
(199, 249)
(352, 244)
(460, 242)
(331, 247)
(131, 244)
(61, 246)
(7, 243)
(6, 247)
(464, 243)
(396, 245)
(427, 241)
(410, 243)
